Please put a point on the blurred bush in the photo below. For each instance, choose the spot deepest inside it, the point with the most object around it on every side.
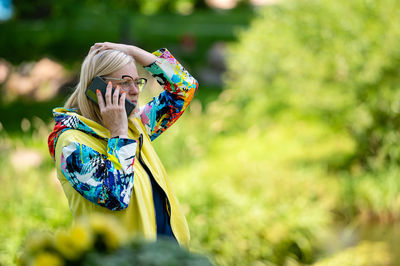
(246, 198)
(335, 61)
(364, 254)
(32, 198)
(100, 240)
(374, 196)
(310, 84)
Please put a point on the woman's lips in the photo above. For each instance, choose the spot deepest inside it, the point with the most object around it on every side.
(133, 100)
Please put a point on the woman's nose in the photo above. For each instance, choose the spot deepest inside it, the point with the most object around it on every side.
(134, 89)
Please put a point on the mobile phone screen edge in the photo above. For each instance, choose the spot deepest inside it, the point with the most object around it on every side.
(99, 83)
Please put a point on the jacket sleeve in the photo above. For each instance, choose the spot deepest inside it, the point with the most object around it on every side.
(106, 180)
(179, 88)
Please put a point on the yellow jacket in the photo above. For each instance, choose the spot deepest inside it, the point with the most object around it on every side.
(103, 175)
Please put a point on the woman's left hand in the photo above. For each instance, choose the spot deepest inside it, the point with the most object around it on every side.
(101, 46)
(139, 55)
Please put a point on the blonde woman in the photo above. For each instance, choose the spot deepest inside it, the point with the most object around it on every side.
(105, 160)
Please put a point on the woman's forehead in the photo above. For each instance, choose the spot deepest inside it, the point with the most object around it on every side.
(129, 69)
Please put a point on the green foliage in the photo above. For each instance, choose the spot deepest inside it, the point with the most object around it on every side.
(68, 36)
(335, 61)
(310, 85)
(44, 9)
(364, 254)
(101, 240)
(162, 252)
(252, 197)
(374, 196)
(31, 198)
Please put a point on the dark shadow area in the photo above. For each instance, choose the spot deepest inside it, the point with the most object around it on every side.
(11, 114)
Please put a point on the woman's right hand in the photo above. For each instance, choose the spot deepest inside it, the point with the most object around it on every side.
(113, 112)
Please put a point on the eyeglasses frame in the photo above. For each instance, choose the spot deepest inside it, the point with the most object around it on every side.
(122, 79)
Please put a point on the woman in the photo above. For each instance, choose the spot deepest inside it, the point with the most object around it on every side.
(105, 160)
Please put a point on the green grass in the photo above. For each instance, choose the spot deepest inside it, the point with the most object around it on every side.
(267, 195)
(31, 198)
(248, 198)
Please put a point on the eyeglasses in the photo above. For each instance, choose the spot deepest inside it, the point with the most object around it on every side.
(127, 82)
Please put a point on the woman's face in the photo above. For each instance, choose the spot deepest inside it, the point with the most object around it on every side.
(127, 73)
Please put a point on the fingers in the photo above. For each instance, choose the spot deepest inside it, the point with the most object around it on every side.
(100, 100)
(111, 98)
(100, 46)
(95, 48)
(108, 94)
(116, 96)
(122, 99)
(92, 48)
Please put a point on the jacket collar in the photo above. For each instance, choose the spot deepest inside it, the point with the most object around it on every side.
(73, 120)
(66, 119)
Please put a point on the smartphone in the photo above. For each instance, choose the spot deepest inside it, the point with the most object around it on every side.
(99, 84)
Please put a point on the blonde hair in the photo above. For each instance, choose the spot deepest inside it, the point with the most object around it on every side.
(100, 64)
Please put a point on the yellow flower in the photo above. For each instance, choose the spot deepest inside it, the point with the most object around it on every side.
(112, 232)
(74, 242)
(47, 259)
(81, 237)
(38, 241)
(64, 245)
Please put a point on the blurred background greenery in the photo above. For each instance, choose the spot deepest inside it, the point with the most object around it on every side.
(289, 154)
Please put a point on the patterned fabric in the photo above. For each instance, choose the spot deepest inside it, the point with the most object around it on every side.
(65, 122)
(179, 86)
(107, 179)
